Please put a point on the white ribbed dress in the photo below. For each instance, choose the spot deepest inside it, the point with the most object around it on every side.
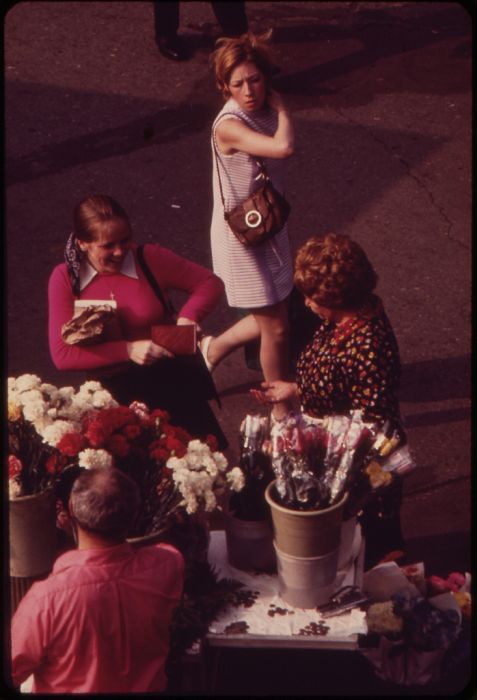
(259, 276)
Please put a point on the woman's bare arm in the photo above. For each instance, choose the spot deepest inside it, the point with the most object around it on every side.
(233, 135)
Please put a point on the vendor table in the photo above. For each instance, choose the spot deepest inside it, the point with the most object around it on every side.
(265, 621)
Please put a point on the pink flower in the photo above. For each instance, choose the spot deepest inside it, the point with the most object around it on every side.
(297, 442)
(140, 409)
(14, 466)
(438, 584)
(456, 579)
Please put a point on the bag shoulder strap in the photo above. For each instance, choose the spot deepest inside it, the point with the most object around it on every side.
(153, 282)
(258, 160)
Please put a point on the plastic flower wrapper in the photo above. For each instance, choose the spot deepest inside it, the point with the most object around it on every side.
(413, 639)
(386, 460)
(456, 583)
(355, 440)
(255, 465)
(426, 627)
(316, 461)
(294, 449)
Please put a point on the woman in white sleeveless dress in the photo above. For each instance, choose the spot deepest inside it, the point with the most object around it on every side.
(254, 122)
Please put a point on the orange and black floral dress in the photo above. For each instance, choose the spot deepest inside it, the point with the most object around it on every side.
(352, 366)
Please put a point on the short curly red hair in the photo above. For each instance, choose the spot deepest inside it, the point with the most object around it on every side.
(334, 272)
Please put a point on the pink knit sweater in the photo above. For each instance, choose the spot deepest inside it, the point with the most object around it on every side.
(137, 305)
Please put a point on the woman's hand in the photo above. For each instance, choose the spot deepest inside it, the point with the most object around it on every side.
(275, 392)
(233, 135)
(276, 102)
(183, 321)
(145, 352)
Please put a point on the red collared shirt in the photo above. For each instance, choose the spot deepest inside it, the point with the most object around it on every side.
(99, 622)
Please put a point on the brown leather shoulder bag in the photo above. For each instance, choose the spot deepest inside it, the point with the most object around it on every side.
(261, 215)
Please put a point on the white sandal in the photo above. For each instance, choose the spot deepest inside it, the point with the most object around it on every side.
(204, 348)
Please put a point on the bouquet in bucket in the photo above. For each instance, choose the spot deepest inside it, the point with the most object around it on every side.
(67, 431)
(316, 461)
(39, 414)
(249, 503)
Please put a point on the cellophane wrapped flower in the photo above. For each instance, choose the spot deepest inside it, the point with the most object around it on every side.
(248, 503)
(426, 627)
(317, 461)
(416, 636)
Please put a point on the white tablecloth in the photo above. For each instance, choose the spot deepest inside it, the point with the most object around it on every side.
(274, 620)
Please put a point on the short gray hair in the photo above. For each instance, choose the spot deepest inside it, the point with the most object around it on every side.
(105, 501)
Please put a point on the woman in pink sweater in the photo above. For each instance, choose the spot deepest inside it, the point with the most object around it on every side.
(103, 262)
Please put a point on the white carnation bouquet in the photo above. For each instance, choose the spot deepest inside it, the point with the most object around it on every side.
(201, 476)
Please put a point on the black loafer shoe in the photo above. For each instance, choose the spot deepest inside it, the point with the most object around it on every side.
(172, 48)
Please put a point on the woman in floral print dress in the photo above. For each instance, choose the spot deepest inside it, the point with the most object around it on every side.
(351, 363)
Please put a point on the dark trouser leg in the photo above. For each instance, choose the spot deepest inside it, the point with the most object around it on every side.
(381, 525)
(231, 16)
(166, 19)
(171, 386)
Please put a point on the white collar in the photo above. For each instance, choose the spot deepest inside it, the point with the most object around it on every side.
(88, 273)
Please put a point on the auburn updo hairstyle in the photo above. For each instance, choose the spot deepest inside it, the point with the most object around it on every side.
(334, 271)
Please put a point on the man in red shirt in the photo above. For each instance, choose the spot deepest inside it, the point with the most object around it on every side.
(100, 621)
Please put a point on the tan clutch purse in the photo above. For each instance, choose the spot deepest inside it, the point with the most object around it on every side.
(180, 340)
(92, 324)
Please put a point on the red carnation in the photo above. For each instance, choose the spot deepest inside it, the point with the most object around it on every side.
(118, 445)
(185, 437)
(71, 444)
(14, 466)
(96, 434)
(159, 415)
(160, 454)
(120, 416)
(56, 463)
(132, 431)
(175, 445)
(111, 419)
(212, 442)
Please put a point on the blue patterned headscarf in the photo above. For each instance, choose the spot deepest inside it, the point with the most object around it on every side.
(73, 263)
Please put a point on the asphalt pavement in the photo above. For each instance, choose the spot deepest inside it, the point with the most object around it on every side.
(381, 99)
